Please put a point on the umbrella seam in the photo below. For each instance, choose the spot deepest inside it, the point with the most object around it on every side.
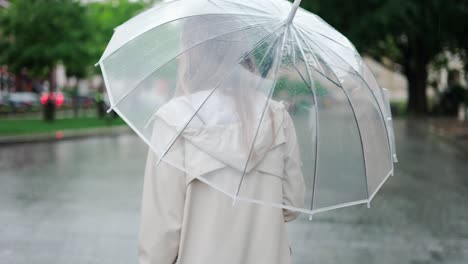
(316, 126)
(370, 90)
(173, 20)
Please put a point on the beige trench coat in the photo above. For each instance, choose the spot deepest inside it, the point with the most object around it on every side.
(185, 221)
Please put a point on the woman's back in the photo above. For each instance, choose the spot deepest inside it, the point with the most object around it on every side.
(187, 211)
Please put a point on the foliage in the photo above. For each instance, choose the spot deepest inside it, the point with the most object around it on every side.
(297, 88)
(451, 99)
(398, 108)
(292, 87)
(390, 28)
(409, 32)
(37, 34)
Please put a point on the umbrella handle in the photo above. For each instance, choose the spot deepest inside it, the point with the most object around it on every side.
(293, 11)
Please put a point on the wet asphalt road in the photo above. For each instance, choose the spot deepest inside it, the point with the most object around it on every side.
(78, 202)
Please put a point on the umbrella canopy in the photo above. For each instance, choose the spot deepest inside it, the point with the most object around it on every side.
(219, 80)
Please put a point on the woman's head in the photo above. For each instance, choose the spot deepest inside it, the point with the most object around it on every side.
(216, 49)
(219, 55)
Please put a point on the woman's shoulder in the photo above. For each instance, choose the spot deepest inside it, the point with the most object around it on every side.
(175, 111)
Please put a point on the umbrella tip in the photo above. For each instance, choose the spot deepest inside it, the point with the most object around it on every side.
(109, 110)
(159, 160)
(310, 218)
(368, 205)
(234, 201)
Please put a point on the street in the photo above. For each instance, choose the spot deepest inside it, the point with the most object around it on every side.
(78, 202)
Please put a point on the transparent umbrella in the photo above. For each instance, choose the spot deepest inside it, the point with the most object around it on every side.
(236, 93)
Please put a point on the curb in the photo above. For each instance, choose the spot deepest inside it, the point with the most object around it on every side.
(64, 135)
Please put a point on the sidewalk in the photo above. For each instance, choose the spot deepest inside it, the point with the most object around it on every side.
(451, 129)
(80, 203)
(64, 135)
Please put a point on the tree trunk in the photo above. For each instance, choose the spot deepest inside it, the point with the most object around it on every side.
(417, 97)
(416, 73)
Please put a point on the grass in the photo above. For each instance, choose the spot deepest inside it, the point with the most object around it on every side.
(399, 108)
(33, 126)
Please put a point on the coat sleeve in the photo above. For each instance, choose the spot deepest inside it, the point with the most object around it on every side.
(293, 183)
(162, 206)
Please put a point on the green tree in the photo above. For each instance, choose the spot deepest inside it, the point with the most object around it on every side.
(409, 32)
(38, 34)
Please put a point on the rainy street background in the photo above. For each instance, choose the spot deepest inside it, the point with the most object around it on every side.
(78, 202)
(71, 174)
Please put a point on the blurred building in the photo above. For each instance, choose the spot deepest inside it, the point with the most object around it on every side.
(60, 76)
(391, 79)
(440, 76)
(4, 3)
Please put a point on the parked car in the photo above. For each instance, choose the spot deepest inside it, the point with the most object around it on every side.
(23, 101)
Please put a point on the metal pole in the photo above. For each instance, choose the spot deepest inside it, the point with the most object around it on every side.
(293, 11)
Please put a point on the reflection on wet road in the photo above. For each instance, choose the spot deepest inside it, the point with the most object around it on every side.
(78, 202)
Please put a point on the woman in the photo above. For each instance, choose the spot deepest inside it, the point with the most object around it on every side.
(187, 218)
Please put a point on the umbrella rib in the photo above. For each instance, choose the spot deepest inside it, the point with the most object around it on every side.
(173, 20)
(177, 55)
(359, 130)
(339, 57)
(323, 74)
(263, 112)
(104, 76)
(361, 140)
(370, 90)
(352, 71)
(214, 89)
(309, 73)
(323, 61)
(315, 57)
(304, 26)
